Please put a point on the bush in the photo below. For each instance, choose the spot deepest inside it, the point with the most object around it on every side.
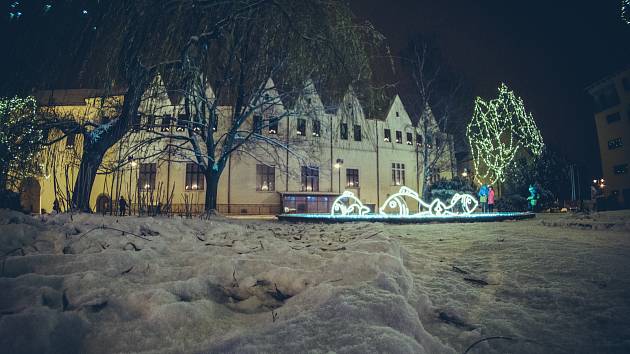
(445, 189)
(10, 200)
(512, 202)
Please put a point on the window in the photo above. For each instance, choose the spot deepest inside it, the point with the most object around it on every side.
(344, 131)
(70, 140)
(429, 142)
(182, 123)
(357, 132)
(388, 136)
(615, 117)
(136, 122)
(194, 177)
(316, 127)
(398, 137)
(310, 179)
(150, 122)
(273, 126)
(409, 139)
(257, 124)
(146, 176)
(352, 178)
(397, 114)
(398, 174)
(166, 123)
(606, 98)
(301, 127)
(615, 144)
(418, 140)
(265, 178)
(621, 169)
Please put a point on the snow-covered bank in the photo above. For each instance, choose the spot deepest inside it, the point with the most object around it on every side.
(173, 285)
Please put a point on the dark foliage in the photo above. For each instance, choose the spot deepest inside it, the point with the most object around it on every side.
(445, 189)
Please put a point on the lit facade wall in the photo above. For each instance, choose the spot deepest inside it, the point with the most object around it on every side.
(612, 118)
(239, 191)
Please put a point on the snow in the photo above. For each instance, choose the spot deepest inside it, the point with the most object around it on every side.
(249, 286)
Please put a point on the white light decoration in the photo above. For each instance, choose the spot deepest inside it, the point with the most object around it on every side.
(625, 11)
(348, 204)
(498, 130)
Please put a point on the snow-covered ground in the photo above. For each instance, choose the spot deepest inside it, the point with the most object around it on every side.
(106, 284)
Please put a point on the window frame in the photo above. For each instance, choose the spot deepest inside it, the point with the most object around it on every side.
(399, 139)
(194, 176)
(317, 128)
(309, 178)
(352, 178)
(147, 175)
(398, 174)
(343, 131)
(300, 128)
(265, 174)
(387, 135)
(356, 132)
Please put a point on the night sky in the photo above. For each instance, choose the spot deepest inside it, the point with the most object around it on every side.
(548, 52)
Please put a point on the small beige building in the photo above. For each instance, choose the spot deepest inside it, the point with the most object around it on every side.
(612, 118)
(324, 152)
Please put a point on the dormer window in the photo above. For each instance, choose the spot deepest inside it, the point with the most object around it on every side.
(388, 136)
(301, 127)
(273, 127)
(316, 128)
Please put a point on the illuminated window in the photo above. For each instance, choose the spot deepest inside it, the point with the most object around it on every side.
(344, 131)
(265, 178)
(70, 140)
(409, 139)
(150, 122)
(273, 126)
(615, 144)
(166, 123)
(398, 137)
(195, 179)
(316, 127)
(357, 132)
(418, 140)
(146, 176)
(310, 179)
(620, 169)
(301, 127)
(388, 136)
(258, 124)
(352, 178)
(398, 174)
(182, 123)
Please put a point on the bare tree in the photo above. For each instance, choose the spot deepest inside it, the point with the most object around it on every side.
(438, 97)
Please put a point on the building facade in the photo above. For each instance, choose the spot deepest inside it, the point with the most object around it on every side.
(612, 118)
(324, 152)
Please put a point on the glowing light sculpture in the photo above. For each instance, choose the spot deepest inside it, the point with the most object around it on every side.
(498, 130)
(435, 208)
(348, 204)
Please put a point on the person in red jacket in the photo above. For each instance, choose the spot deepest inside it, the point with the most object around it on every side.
(490, 199)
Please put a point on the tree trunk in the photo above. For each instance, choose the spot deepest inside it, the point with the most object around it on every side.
(212, 186)
(90, 162)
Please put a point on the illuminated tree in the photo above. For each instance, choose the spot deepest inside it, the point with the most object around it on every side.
(625, 11)
(500, 129)
(21, 138)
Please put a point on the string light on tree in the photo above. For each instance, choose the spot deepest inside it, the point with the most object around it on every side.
(625, 11)
(499, 129)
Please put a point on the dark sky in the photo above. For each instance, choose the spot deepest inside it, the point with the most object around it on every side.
(548, 52)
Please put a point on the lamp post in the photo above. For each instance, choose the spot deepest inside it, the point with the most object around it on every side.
(338, 165)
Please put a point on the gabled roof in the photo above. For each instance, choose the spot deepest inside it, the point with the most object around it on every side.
(72, 97)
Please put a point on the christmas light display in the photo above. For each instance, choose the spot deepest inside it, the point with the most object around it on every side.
(499, 129)
(349, 205)
(625, 11)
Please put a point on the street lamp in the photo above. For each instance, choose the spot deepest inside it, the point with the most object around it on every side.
(465, 173)
(338, 165)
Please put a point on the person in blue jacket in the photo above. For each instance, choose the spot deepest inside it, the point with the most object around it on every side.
(483, 198)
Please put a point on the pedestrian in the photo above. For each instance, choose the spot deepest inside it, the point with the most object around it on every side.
(483, 198)
(56, 207)
(490, 199)
(122, 206)
(532, 199)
